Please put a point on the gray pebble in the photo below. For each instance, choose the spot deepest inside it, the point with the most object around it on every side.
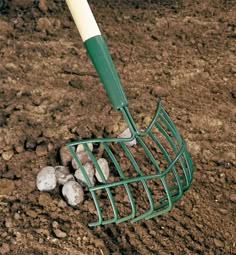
(127, 134)
(63, 175)
(88, 167)
(46, 179)
(73, 193)
(102, 162)
(81, 148)
(83, 158)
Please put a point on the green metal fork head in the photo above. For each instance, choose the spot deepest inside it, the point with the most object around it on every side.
(146, 179)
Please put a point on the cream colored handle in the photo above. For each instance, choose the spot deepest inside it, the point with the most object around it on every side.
(84, 19)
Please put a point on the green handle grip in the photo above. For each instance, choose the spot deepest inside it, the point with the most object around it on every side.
(98, 51)
(102, 61)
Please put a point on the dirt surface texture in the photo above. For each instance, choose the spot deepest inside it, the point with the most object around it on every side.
(182, 51)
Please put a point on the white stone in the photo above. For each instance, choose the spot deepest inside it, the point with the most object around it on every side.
(46, 179)
(88, 167)
(81, 148)
(83, 158)
(63, 175)
(127, 134)
(103, 164)
(73, 193)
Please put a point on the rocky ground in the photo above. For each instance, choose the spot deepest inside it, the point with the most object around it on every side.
(181, 51)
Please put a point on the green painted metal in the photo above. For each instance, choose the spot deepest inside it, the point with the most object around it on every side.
(170, 169)
(180, 165)
(102, 61)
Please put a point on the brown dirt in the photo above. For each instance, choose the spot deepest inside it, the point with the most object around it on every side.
(183, 51)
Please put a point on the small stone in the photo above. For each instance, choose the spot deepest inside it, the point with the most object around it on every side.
(127, 134)
(50, 147)
(233, 198)
(4, 249)
(65, 156)
(59, 233)
(55, 224)
(218, 243)
(88, 167)
(73, 193)
(7, 155)
(223, 211)
(104, 167)
(80, 148)
(63, 175)
(17, 216)
(83, 158)
(41, 150)
(6, 187)
(46, 179)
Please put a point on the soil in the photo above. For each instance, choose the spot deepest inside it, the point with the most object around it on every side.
(182, 51)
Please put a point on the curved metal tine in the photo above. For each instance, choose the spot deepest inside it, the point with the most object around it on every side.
(163, 181)
(154, 118)
(168, 159)
(170, 125)
(169, 205)
(112, 201)
(189, 164)
(145, 186)
(169, 139)
(131, 199)
(186, 171)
